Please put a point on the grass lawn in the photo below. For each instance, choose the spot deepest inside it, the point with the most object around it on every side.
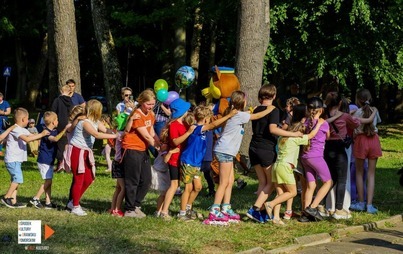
(99, 232)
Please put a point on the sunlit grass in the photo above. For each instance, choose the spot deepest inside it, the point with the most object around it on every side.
(101, 233)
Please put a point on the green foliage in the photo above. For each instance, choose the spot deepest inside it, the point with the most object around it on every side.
(356, 41)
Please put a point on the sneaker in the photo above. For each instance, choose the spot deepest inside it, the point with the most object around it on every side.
(139, 213)
(265, 216)
(7, 202)
(341, 214)
(217, 216)
(288, 215)
(69, 205)
(255, 215)
(77, 210)
(371, 209)
(51, 206)
(178, 192)
(186, 217)
(36, 203)
(117, 213)
(130, 214)
(165, 216)
(193, 214)
(215, 222)
(19, 205)
(314, 213)
(232, 216)
(322, 211)
(358, 206)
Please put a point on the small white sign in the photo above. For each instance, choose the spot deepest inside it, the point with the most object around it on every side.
(7, 72)
(29, 232)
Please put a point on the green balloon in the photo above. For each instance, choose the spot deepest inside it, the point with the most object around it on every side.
(160, 84)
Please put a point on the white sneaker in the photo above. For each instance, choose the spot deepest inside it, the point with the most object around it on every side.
(342, 215)
(70, 205)
(77, 210)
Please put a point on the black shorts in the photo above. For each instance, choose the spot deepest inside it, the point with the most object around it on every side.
(173, 172)
(262, 157)
(117, 170)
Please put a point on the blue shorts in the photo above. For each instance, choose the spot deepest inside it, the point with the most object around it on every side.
(223, 157)
(14, 169)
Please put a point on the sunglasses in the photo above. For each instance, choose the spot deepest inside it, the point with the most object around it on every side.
(126, 95)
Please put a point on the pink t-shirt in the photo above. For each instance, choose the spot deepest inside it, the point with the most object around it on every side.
(342, 123)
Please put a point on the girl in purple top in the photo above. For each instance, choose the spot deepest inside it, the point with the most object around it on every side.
(313, 161)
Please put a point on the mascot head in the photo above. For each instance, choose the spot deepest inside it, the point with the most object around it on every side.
(222, 84)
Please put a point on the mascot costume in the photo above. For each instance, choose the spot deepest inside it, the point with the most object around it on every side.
(222, 84)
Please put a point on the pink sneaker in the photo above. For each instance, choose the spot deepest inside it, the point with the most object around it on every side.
(117, 213)
(232, 216)
(213, 216)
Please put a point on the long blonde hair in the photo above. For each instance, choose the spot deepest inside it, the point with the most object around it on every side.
(145, 96)
(94, 110)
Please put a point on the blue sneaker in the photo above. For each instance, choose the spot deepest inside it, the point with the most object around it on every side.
(255, 215)
(371, 209)
(265, 216)
(359, 206)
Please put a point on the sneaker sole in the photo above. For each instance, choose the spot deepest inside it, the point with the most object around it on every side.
(253, 218)
(215, 223)
(9, 206)
(33, 205)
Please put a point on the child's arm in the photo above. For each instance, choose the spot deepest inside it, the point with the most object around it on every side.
(370, 119)
(29, 138)
(58, 136)
(219, 122)
(96, 134)
(275, 130)
(315, 130)
(166, 110)
(6, 132)
(74, 123)
(261, 114)
(169, 154)
(129, 123)
(179, 140)
(333, 118)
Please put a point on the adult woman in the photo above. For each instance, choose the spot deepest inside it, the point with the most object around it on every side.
(136, 162)
(5, 110)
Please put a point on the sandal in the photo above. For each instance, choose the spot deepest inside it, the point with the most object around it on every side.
(278, 222)
(269, 210)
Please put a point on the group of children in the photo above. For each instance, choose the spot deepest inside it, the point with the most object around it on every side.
(278, 151)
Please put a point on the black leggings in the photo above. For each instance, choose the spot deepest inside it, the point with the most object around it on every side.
(137, 170)
(337, 161)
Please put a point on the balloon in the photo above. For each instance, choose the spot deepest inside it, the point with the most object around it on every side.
(172, 95)
(160, 84)
(184, 77)
(162, 95)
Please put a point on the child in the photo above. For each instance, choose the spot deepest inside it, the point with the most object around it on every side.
(313, 162)
(225, 150)
(192, 157)
(34, 144)
(16, 153)
(163, 182)
(208, 158)
(177, 136)
(287, 159)
(366, 146)
(46, 159)
(262, 148)
(107, 143)
(79, 156)
(291, 102)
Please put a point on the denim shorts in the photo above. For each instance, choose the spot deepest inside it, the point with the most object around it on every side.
(14, 169)
(223, 157)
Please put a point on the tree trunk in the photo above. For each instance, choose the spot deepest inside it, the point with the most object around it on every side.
(180, 52)
(21, 74)
(35, 82)
(106, 45)
(63, 44)
(195, 51)
(252, 43)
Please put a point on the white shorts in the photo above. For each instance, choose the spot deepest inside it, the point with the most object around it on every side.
(46, 171)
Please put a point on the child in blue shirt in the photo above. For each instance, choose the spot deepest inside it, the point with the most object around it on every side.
(192, 157)
(46, 160)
